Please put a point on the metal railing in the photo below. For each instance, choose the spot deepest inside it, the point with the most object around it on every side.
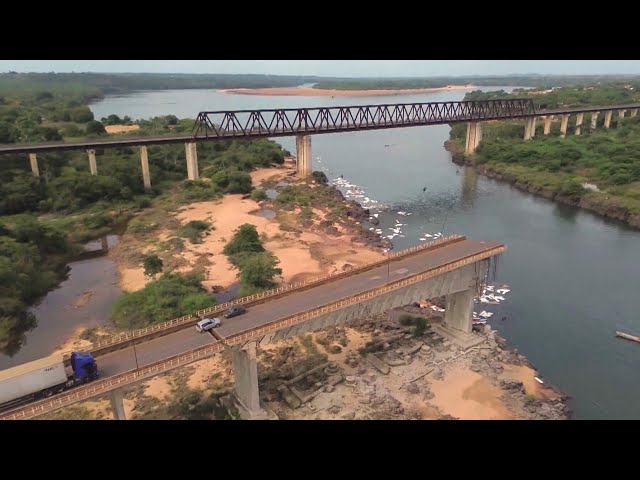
(357, 298)
(99, 387)
(188, 320)
(103, 386)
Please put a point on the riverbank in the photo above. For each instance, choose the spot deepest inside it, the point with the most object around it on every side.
(301, 245)
(316, 92)
(594, 202)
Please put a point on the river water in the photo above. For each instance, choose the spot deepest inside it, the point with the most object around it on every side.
(85, 299)
(574, 277)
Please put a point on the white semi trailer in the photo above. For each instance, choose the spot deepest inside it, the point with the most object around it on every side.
(44, 377)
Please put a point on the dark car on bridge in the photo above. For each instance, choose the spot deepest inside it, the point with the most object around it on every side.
(234, 311)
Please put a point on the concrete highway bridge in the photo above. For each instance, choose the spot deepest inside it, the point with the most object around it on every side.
(453, 267)
(305, 122)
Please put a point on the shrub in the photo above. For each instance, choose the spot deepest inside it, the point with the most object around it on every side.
(259, 194)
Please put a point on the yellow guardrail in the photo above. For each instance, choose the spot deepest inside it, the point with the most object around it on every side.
(111, 383)
(108, 344)
(357, 298)
(103, 386)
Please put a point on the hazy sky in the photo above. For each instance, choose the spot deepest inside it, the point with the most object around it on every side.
(335, 68)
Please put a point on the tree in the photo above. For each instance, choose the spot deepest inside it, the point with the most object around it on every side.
(95, 127)
(171, 120)
(258, 270)
(152, 265)
(245, 240)
(81, 115)
(113, 120)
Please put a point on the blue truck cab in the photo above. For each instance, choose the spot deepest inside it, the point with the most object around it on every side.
(84, 367)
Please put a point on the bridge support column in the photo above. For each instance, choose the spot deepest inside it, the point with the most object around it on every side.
(621, 115)
(93, 166)
(594, 120)
(34, 164)
(530, 128)
(564, 124)
(547, 124)
(247, 394)
(303, 155)
(144, 161)
(192, 161)
(459, 310)
(633, 112)
(579, 119)
(117, 405)
(474, 137)
(607, 119)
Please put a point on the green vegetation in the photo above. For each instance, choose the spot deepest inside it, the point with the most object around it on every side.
(552, 166)
(258, 194)
(420, 324)
(66, 200)
(613, 93)
(32, 260)
(170, 296)
(257, 266)
(95, 85)
(540, 81)
(152, 265)
(245, 241)
(195, 230)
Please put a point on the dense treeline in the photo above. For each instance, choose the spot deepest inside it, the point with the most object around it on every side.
(615, 93)
(32, 261)
(539, 81)
(94, 85)
(608, 159)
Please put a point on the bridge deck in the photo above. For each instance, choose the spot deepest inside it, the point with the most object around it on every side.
(180, 348)
(321, 120)
(298, 301)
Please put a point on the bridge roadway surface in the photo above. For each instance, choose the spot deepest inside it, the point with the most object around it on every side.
(295, 302)
(16, 148)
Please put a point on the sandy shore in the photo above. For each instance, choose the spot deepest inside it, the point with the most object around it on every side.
(121, 128)
(302, 255)
(315, 92)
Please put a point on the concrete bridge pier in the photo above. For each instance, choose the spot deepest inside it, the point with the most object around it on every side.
(458, 319)
(303, 156)
(247, 394)
(93, 166)
(34, 164)
(594, 120)
(579, 119)
(530, 128)
(563, 125)
(547, 124)
(192, 160)
(474, 137)
(633, 113)
(459, 310)
(117, 405)
(607, 119)
(621, 115)
(144, 161)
